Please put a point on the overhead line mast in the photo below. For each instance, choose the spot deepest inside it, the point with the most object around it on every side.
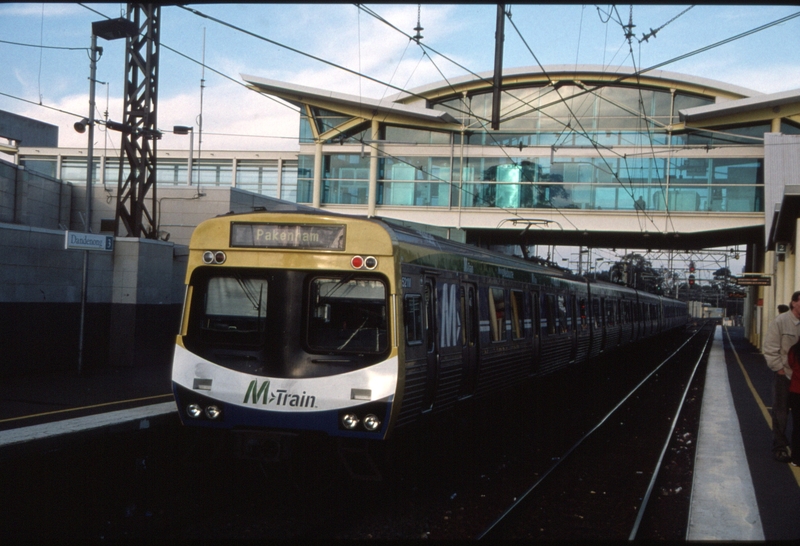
(140, 124)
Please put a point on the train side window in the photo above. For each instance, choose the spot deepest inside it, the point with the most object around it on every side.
(429, 316)
(583, 320)
(517, 314)
(497, 313)
(550, 313)
(597, 318)
(561, 309)
(610, 316)
(412, 317)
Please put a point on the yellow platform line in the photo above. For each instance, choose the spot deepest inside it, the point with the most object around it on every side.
(83, 408)
(764, 411)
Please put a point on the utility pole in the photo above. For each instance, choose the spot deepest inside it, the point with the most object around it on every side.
(499, 36)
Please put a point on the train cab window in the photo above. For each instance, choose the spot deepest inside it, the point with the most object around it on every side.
(235, 309)
(412, 317)
(347, 315)
(497, 313)
(517, 314)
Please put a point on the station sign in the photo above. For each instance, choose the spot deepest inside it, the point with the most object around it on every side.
(76, 240)
(754, 280)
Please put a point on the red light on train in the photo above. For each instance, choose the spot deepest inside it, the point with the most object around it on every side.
(370, 262)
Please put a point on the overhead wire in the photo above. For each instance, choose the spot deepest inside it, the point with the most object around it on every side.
(483, 123)
(582, 131)
(622, 78)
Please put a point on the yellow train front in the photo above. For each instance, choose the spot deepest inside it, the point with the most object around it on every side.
(289, 324)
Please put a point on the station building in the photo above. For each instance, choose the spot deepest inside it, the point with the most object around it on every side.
(577, 155)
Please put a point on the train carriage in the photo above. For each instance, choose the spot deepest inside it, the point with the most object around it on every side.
(306, 322)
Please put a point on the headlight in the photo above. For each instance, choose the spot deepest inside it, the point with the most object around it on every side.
(194, 411)
(216, 257)
(212, 412)
(371, 422)
(349, 421)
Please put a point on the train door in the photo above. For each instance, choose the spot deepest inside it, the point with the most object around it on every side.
(469, 316)
(431, 338)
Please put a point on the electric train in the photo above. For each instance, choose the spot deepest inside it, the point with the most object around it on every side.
(302, 322)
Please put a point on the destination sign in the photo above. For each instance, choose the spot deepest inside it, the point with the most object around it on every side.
(303, 236)
(754, 280)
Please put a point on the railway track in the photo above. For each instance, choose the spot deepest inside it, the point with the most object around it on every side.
(604, 485)
(449, 480)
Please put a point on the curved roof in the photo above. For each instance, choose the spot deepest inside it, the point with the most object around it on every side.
(385, 109)
(411, 106)
(594, 73)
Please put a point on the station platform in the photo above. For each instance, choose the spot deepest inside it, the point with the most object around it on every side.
(48, 405)
(739, 491)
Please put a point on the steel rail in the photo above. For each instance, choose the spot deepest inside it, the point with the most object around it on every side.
(654, 477)
(555, 465)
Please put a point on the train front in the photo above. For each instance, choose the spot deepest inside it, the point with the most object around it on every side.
(288, 326)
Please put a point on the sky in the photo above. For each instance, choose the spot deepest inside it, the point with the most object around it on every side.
(45, 70)
(55, 82)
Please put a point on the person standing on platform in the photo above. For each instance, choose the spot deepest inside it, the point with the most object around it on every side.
(794, 401)
(782, 334)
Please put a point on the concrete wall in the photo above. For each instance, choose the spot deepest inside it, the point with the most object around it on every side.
(8, 191)
(135, 293)
(180, 208)
(32, 199)
(27, 131)
(134, 299)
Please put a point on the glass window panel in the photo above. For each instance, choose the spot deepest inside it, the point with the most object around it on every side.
(45, 166)
(412, 318)
(497, 313)
(517, 314)
(347, 316)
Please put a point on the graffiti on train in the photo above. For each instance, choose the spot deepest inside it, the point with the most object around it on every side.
(449, 315)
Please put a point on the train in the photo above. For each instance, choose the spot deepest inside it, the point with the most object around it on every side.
(352, 327)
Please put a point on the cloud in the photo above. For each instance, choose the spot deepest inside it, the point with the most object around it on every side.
(35, 10)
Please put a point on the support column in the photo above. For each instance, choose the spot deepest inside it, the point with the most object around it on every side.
(373, 170)
(790, 276)
(767, 294)
(317, 190)
(279, 188)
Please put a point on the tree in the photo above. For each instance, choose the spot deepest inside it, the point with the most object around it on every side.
(635, 271)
